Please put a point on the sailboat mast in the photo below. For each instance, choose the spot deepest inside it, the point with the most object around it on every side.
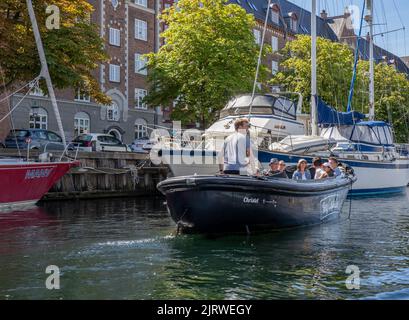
(44, 68)
(369, 19)
(314, 115)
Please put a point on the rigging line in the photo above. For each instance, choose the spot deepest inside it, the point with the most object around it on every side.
(403, 26)
(380, 25)
(399, 15)
(15, 107)
(259, 57)
(9, 108)
(385, 20)
(351, 90)
(17, 91)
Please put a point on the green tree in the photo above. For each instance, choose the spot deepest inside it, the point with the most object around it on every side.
(209, 55)
(73, 51)
(334, 72)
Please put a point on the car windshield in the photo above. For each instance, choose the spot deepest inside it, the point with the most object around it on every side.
(84, 137)
(18, 134)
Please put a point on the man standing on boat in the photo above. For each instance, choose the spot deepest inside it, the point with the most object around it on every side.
(236, 151)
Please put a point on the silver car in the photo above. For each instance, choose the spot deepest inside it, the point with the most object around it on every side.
(34, 139)
(99, 142)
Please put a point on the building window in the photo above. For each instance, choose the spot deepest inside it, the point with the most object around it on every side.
(143, 3)
(274, 67)
(140, 64)
(274, 43)
(140, 94)
(257, 36)
(167, 5)
(293, 25)
(141, 30)
(275, 16)
(113, 112)
(114, 73)
(36, 91)
(81, 123)
(141, 129)
(82, 96)
(114, 37)
(38, 118)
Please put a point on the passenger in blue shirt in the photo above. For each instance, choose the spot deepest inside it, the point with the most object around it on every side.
(302, 173)
(335, 167)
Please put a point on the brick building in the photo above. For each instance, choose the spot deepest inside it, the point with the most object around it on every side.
(342, 27)
(130, 29)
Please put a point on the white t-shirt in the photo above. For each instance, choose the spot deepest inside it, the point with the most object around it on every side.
(318, 173)
(234, 151)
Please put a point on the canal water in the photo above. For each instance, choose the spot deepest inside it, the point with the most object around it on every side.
(126, 249)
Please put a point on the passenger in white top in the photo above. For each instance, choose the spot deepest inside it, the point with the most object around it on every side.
(317, 168)
(233, 157)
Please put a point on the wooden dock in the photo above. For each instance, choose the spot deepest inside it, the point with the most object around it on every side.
(103, 175)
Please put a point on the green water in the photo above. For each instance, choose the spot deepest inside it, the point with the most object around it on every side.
(126, 249)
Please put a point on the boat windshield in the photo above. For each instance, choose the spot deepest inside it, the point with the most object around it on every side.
(371, 133)
(277, 105)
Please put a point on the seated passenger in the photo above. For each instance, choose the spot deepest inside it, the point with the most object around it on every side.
(317, 169)
(282, 167)
(302, 173)
(335, 167)
(327, 171)
(274, 170)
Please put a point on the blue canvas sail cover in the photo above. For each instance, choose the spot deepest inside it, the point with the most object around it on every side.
(328, 116)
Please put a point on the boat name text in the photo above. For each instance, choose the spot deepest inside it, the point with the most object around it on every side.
(37, 173)
(251, 200)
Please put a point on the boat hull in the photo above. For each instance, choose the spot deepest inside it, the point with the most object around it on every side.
(373, 177)
(26, 183)
(209, 204)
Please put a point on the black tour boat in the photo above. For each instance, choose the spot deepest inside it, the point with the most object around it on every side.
(229, 203)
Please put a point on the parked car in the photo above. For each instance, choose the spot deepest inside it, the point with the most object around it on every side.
(141, 145)
(99, 142)
(34, 139)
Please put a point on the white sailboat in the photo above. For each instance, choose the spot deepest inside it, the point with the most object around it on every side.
(366, 146)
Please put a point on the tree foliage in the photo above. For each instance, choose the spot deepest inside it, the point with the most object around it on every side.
(209, 55)
(73, 51)
(334, 72)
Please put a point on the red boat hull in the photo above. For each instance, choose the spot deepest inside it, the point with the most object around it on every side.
(24, 183)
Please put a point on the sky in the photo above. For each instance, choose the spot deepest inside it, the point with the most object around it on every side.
(389, 15)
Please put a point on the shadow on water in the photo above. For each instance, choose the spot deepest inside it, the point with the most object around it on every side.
(126, 249)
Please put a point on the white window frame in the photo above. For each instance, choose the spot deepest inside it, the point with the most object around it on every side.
(275, 16)
(40, 121)
(257, 36)
(140, 64)
(114, 73)
(113, 112)
(293, 25)
(82, 96)
(142, 3)
(274, 67)
(139, 95)
(141, 130)
(274, 43)
(141, 30)
(36, 91)
(82, 123)
(115, 37)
